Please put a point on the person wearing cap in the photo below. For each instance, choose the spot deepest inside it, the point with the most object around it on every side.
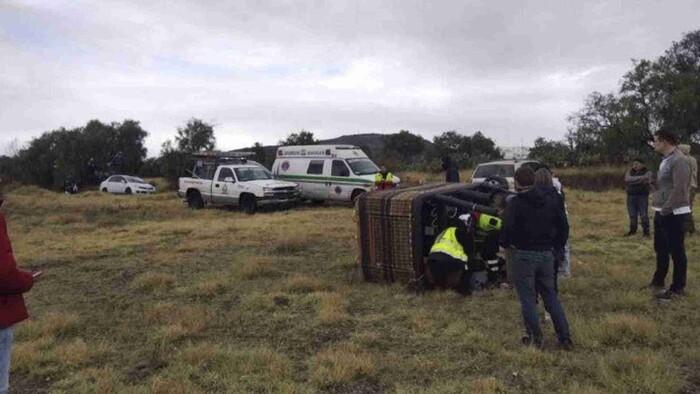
(13, 283)
(637, 185)
(384, 179)
(534, 226)
(685, 148)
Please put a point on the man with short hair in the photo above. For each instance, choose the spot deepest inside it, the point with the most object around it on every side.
(670, 202)
(685, 148)
(535, 225)
(637, 184)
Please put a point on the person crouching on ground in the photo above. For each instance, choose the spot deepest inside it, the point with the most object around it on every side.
(637, 184)
(447, 266)
(535, 225)
(670, 202)
(13, 283)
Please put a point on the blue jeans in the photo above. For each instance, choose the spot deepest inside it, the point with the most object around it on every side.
(6, 336)
(533, 275)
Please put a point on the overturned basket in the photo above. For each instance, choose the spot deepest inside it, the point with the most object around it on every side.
(396, 228)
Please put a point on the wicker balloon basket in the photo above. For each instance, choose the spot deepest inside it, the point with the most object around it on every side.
(396, 228)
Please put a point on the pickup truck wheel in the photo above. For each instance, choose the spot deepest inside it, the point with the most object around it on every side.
(356, 194)
(194, 200)
(248, 204)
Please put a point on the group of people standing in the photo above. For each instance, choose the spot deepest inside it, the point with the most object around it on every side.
(672, 202)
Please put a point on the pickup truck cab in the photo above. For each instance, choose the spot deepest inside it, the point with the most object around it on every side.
(247, 185)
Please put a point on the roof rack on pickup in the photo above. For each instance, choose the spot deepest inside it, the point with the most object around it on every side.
(217, 157)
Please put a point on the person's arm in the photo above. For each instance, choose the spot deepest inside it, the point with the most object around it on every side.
(12, 280)
(505, 238)
(681, 182)
(466, 239)
(633, 180)
(561, 224)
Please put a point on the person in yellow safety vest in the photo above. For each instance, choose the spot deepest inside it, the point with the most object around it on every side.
(448, 265)
(383, 180)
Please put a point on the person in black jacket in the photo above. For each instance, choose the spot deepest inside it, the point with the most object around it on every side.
(451, 171)
(534, 225)
(637, 182)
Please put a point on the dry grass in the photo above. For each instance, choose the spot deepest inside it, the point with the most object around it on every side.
(144, 295)
(341, 364)
(304, 284)
(331, 307)
(256, 267)
(153, 281)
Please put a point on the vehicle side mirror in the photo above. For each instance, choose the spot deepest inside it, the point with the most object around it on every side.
(228, 179)
(123, 181)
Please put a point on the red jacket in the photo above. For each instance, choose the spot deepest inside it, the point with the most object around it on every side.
(13, 282)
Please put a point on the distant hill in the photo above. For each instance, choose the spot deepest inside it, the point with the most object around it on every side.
(371, 143)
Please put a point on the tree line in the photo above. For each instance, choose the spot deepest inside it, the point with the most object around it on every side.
(88, 154)
(616, 126)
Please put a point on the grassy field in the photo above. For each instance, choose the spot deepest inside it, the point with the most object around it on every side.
(143, 295)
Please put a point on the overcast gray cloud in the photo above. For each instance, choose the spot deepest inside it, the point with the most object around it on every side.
(259, 70)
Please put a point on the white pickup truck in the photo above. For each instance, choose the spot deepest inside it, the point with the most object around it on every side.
(247, 186)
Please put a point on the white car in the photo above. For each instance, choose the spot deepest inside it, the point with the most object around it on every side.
(504, 169)
(125, 184)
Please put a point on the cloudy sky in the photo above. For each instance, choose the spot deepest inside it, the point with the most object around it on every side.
(259, 70)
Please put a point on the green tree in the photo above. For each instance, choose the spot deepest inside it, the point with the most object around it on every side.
(466, 151)
(554, 153)
(260, 155)
(303, 137)
(173, 162)
(60, 154)
(195, 136)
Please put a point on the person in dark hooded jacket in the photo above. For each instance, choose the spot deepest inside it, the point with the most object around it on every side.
(535, 225)
(450, 168)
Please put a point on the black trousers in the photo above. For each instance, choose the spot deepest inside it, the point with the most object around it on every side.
(669, 239)
(638, 206)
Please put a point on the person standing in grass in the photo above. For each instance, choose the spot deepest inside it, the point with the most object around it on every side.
(13, 283)
(690, 228)
(637, 184)
(671, 206)
(451, 170)
(534, 226)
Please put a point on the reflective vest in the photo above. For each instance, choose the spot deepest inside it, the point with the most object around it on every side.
(447, 243)
(379, 178)
(488, 222)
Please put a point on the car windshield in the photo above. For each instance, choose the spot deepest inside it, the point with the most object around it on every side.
(504, 170)
(133, 179)
(252, 174)
(363, 166)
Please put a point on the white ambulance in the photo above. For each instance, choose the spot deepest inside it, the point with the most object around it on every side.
(327, 172)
